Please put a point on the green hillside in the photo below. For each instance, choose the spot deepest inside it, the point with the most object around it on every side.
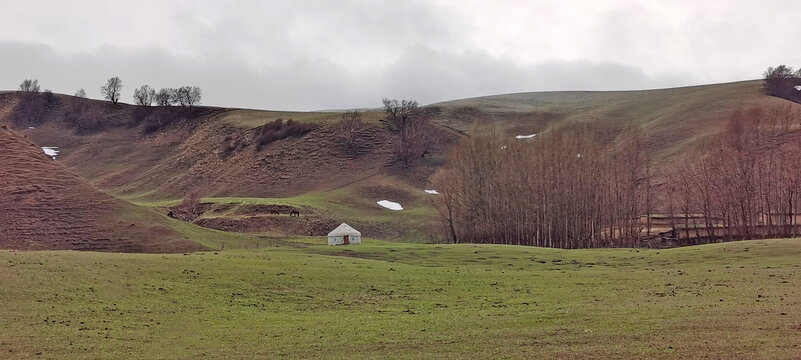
(675, 120)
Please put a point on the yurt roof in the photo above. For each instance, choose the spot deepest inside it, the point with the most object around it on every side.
(344, 229)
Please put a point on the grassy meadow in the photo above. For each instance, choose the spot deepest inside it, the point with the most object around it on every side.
(299, 298)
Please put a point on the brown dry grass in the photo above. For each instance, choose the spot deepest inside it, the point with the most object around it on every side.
(45, 206)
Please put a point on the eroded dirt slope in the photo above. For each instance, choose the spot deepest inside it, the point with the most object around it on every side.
(118, 149)
(45, 206)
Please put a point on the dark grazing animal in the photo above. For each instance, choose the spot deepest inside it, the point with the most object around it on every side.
(294, 213)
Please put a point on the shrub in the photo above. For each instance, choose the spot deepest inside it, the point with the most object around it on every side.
(277, 130)
(348, 131)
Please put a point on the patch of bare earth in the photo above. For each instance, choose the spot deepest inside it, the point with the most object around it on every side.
(45, 206)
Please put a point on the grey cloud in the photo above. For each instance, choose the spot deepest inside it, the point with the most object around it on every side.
(436, 76)
(419, 73)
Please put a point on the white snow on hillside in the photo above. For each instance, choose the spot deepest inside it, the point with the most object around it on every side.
(519, 137)
(432, 192)
(390, 205)
(50, 151)
(798, 87)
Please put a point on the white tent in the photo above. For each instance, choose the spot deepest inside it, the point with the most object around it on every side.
(344, 235)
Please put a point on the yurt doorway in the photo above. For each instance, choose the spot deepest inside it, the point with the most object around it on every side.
(347, 240)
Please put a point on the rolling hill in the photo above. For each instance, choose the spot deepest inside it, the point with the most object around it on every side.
(676, 120)
(269, 294)
(214, 152)
(45, 206)
(155, 156)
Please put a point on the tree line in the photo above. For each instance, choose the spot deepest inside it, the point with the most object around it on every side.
(747, 184)
(571, 187)
(583, 186)
(111, 90)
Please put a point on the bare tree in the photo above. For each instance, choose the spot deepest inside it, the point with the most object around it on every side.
(195, 95)
(348, 129)
(415, 134)
(164, 97)
(445, 201)
(415, 139)
(81, 93)
(29, 86)
(191, 203)
(144, 95)
(112, 89)
(780, 81)
(32, 105)
(399, 113)
(571, 188)
(187, 96)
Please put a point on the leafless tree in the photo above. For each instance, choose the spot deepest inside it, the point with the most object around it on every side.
(414, 139)
(399, 113)
(349, 128)
(81, 93)
(112, 89)
(144, 95)
(31, 105)
(412, 125)
(781, 81)
(570, 188)
(191, 203)
(29, 86)
(164, 97)
(187, 96)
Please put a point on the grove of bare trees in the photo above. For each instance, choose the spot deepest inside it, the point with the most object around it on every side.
(747, 184)
(29, 86)
(568, 188)
(187, 96)
(579, 187)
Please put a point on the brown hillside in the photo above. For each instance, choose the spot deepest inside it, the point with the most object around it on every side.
(45, 206)
(210, 150)
(213, 151)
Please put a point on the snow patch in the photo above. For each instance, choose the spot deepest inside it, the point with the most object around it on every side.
(390, 205)
(50, 151)
(798, 87)
(432, 192)
(519, 137)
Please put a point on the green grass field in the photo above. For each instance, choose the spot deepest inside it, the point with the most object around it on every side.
(345, 204)
(301, 299)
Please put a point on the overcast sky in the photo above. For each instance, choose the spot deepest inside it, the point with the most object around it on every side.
(306, 55)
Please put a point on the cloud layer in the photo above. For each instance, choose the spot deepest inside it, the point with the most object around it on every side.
(322, 54)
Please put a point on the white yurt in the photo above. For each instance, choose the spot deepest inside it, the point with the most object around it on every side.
(344, 235)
